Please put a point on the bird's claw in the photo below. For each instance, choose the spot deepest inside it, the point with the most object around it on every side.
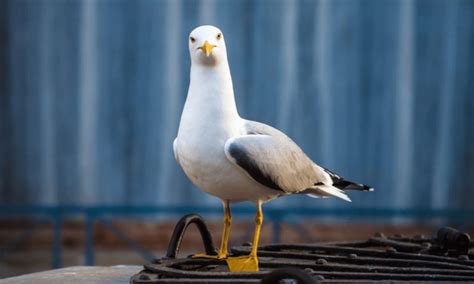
(247, 263)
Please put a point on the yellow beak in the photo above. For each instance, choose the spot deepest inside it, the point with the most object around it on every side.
(207, 48)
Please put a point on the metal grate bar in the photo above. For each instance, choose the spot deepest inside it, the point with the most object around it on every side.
(445, 258)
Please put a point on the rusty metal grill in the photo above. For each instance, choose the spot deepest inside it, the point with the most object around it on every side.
(443, 258)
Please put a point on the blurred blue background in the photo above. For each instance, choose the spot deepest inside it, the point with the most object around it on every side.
(91, 92)
(381, 92)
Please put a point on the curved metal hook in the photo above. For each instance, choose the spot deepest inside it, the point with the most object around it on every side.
(180, 229)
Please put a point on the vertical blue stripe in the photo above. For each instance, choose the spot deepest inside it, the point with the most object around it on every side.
(88, 101)
(404, 101)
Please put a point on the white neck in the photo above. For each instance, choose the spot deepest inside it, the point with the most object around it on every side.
(210, 103)
(213, 86)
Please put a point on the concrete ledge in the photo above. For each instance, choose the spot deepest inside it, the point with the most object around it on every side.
(79, 274)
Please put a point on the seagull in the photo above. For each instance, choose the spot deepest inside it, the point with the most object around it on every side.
(236, 159)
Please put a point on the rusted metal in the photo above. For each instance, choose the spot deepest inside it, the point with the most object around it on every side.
(445, 258)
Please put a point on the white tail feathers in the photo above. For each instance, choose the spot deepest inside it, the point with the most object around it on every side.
(326, 191)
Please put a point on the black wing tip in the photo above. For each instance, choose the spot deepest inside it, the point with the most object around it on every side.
(368, 188)
(349, 185)
(344, 184)
(359, 186)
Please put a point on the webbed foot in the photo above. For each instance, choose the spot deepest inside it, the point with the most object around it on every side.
(247, 263)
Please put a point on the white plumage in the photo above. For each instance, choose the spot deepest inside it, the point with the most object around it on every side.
(210, 123)
(233, 158)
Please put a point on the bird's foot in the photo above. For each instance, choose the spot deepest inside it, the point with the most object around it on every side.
(203, 255)
(247, 263)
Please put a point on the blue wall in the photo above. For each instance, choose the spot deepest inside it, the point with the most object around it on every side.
(380, 91)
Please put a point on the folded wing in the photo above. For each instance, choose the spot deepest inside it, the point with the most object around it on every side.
(271, 158)
(276, 163)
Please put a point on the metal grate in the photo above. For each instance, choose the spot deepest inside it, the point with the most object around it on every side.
(444, 258)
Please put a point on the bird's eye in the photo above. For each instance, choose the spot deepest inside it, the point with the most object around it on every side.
(219, 35)
(192, 39)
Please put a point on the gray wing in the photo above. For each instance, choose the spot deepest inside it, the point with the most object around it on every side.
(273, 159)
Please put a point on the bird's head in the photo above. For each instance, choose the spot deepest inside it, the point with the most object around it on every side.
(207, 46)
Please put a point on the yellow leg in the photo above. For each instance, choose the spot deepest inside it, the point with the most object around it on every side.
(223, 249)
(249, 263)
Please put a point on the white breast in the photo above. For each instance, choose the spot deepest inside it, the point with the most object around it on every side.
(200, 148)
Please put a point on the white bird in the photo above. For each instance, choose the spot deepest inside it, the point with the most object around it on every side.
(236, 159)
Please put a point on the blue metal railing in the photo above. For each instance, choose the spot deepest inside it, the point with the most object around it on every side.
(92, 214)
